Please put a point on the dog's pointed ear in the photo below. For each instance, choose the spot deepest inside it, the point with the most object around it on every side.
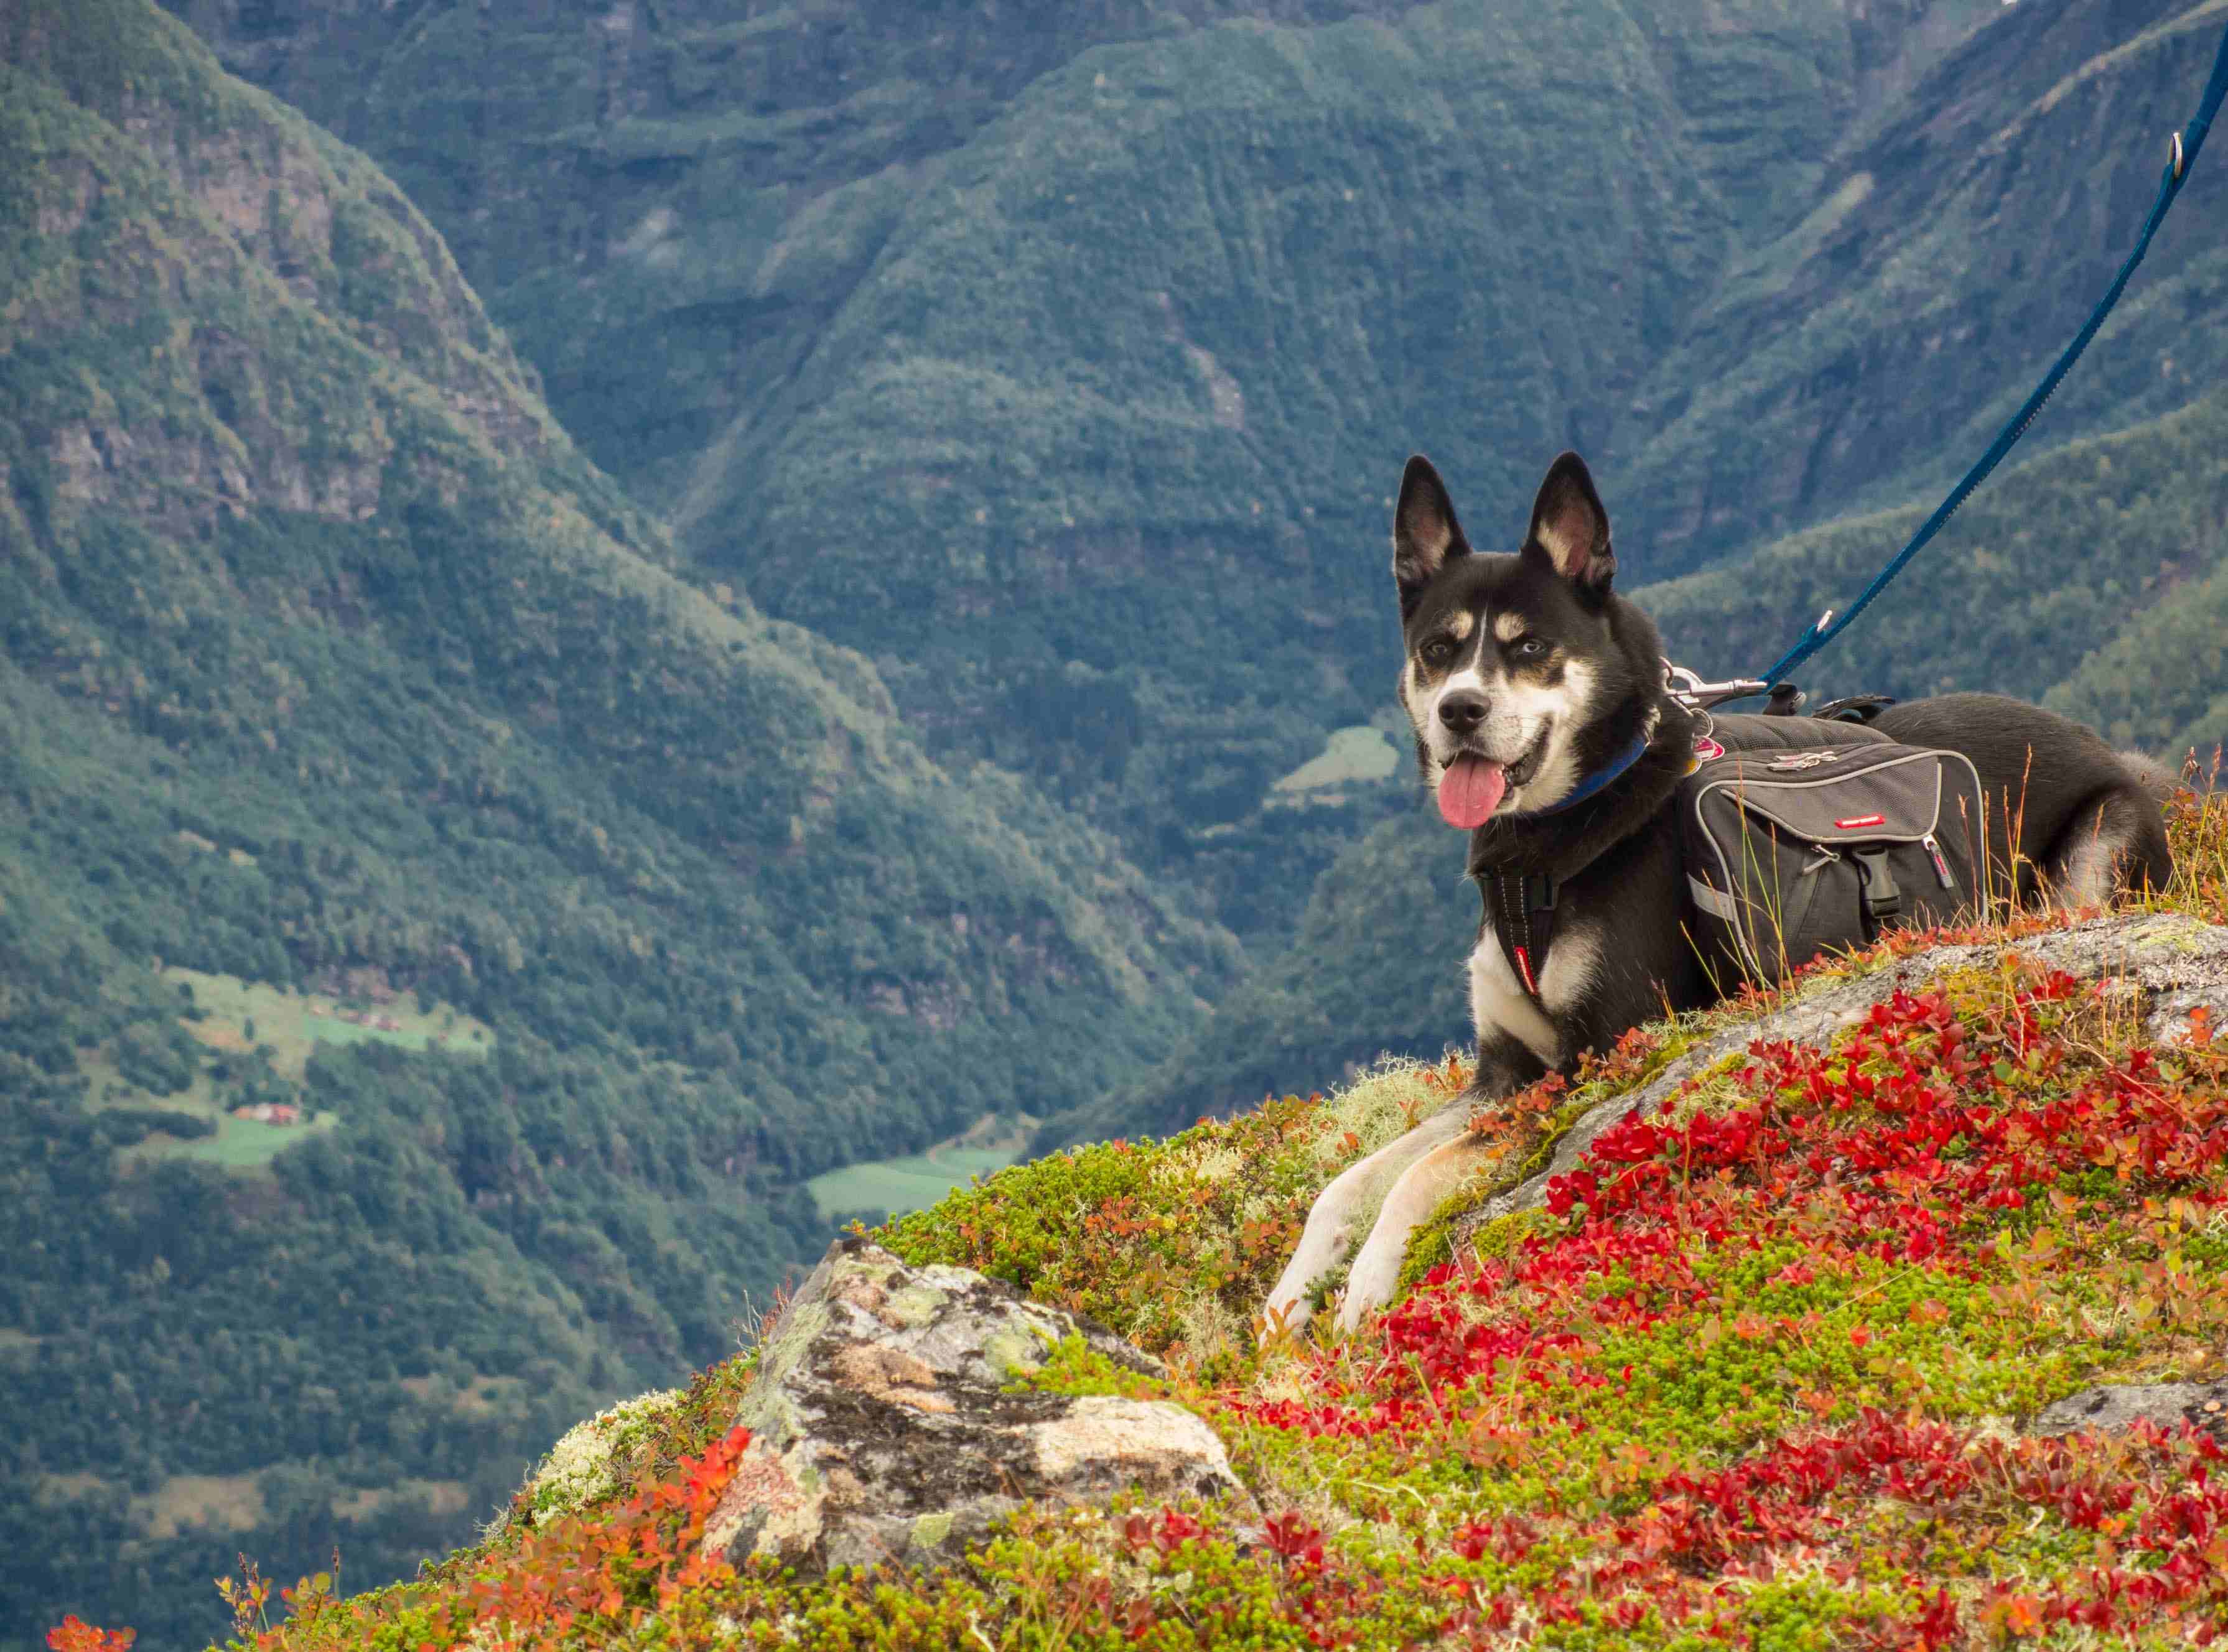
(1425, 532)
(1570, 527)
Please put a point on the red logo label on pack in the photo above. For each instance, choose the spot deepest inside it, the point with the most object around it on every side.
(1707, 749)
(1795, 760)
(1856, 820)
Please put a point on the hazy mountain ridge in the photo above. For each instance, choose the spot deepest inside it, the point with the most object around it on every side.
(1060, 330)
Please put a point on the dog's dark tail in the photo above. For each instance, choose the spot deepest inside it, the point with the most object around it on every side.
(2162, 780)
(2154, 776)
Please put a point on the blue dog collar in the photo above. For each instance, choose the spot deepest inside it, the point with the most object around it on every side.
(1600, 777)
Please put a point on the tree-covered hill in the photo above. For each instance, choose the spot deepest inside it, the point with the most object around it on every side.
(361, 756)
(1060, 357)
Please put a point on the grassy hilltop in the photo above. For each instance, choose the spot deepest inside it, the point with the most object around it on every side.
(1755, 1373)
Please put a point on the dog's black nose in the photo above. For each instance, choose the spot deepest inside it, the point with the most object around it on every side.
(1463, 710)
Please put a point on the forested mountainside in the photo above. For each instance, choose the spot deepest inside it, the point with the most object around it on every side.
(2093, 579)
(1059, 356)
(365, 766)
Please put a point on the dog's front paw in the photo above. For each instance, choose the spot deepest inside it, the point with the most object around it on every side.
(1422, 1187)
(1376, 1275)
(1336, 1218)
(1292, 1301)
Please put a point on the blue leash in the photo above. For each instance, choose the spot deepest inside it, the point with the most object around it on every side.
(2186, 143)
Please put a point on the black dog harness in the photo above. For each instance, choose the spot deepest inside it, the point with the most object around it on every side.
(1520, 905)
(1519, 909)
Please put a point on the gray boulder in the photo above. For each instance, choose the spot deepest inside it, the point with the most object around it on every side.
(2117, 1406)
(883, 1426)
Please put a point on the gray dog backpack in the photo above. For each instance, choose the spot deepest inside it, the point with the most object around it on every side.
(1791, 851)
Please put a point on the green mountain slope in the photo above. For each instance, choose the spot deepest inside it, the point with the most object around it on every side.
(2162, 682)
(360, 754)
(2093, 579)
(660, 201)
(1952, 249)
(1059, 357)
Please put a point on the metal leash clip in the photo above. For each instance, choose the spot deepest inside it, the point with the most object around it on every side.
(1691, 692)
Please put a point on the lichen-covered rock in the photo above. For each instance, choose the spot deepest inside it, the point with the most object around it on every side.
(582, 1467)
(887, 1423)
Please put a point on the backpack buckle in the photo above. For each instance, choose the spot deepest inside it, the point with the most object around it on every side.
(1883, 896)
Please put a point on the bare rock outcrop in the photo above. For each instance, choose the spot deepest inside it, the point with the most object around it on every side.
(2121, 1405)
(887, 1423)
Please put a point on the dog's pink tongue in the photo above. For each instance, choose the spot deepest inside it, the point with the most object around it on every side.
(1470, 792)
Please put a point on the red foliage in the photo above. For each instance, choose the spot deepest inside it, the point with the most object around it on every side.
(1906, 1146)
(1296, 1539)
(74, 1635)
(1170, 1532)
(612, 1566)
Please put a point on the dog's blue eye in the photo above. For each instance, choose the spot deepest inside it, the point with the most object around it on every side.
(1437, 649)
(1531, 647)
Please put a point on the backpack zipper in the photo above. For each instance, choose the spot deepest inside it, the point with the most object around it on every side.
(1941, 865)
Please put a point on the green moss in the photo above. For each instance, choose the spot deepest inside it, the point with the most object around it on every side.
(1501, 1235)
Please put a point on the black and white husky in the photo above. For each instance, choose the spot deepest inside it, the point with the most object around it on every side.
(1544, 727)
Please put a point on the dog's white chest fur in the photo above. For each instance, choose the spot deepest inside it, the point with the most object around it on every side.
(1498, 1002)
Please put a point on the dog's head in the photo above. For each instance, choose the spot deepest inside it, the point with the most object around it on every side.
(1513, 661)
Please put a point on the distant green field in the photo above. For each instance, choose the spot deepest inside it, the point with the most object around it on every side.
(292, 1023)
(237, 1015)
(239, 1144)
(1359, 753)
(894, 1186)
